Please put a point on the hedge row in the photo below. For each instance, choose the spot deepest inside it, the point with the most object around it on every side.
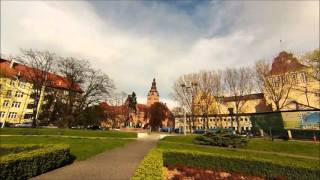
(238, 164)
(27, 164)
(151, 167)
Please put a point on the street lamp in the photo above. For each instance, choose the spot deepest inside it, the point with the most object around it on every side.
(185, 90)
(231, 114)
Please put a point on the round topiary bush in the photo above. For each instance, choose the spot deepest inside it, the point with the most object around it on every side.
(221, 138)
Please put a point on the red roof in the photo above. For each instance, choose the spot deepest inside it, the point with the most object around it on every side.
(28, 73)
(142, 107)
(285, 62)
(114, 109)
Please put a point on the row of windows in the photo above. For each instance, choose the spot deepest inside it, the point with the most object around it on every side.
(223, 119)
(17, 83)
(18, 94)
(14, 104)
(294, 77)
(13, 115)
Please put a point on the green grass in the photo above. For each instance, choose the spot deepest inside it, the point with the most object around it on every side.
(279, 146)
(81, 148)
(66, 132)
(289, 147)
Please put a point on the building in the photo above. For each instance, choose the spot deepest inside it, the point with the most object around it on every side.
(253, 103)
(287, 74)
(301, 91)
(153, 95)
(17, 92)
(122, 116)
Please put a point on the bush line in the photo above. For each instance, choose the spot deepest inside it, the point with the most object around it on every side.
(151, 167)
(28, 164)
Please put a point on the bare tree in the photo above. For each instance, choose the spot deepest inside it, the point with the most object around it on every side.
(312, 59)
(40, 63)
(275, 87)
(209, 88)
(184, 91)
(93, 85)
(117, 100)
(238, 82)
(96, 87)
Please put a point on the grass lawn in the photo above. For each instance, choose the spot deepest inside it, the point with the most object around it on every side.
(81, 148)
(279, 146)
(66, 132)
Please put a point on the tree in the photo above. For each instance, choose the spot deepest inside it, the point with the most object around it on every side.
(275, 87)
(91, 116)
(238, 82)
(158, 113)
(86, 87)
(117, 100)
(40, 63)
(132, 100)
(209, 83)
(312, 59)
(184, 91)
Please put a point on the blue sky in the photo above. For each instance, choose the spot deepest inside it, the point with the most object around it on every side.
(136, 41)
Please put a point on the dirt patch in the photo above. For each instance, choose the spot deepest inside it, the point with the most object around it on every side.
(195, 173)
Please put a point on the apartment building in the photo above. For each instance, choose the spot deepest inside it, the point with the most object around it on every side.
(17, 92)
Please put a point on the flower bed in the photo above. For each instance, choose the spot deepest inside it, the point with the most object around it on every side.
(239, 164)
(33, 161)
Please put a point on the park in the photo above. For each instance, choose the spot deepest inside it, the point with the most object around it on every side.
(81, 154)
(159, 90)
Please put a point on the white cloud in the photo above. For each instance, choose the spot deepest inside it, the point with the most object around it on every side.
(133, 42)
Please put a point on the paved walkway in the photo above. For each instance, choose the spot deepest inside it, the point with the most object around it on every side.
(116, 164)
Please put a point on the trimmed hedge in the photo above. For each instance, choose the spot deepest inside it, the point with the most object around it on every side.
(151, 167)
(238, 164)
(27, 164)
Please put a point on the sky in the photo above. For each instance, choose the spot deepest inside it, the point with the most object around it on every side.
(136, 41)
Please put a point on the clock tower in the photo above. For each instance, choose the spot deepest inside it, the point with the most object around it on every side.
(153, 95)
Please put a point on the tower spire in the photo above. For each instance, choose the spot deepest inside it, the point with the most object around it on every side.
(153, 95)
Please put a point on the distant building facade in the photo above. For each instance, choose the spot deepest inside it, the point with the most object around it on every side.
(138, 118)
(304, 94)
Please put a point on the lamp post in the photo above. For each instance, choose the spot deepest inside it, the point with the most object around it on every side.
(231, 114)
(185, 90)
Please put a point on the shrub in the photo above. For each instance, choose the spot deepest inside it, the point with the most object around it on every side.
(151, 167)
(238, 164)
(221, 138)
(13, 149)
(27, 164)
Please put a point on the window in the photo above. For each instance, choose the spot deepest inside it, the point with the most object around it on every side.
(9, 93)
(5, 103)
(12, 115)
(27, 116)
(19, 94)
(2, 114)
(16, 104)
(12, 82)
(65, 92)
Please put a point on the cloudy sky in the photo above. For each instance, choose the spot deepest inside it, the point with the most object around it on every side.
(134, 42)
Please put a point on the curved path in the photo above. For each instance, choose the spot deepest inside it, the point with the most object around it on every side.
(116, 164)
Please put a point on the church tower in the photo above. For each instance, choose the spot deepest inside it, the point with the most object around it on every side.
(153, 95)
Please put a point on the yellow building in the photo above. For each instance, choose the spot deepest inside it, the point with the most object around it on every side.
(16, 92)
(291, 77)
